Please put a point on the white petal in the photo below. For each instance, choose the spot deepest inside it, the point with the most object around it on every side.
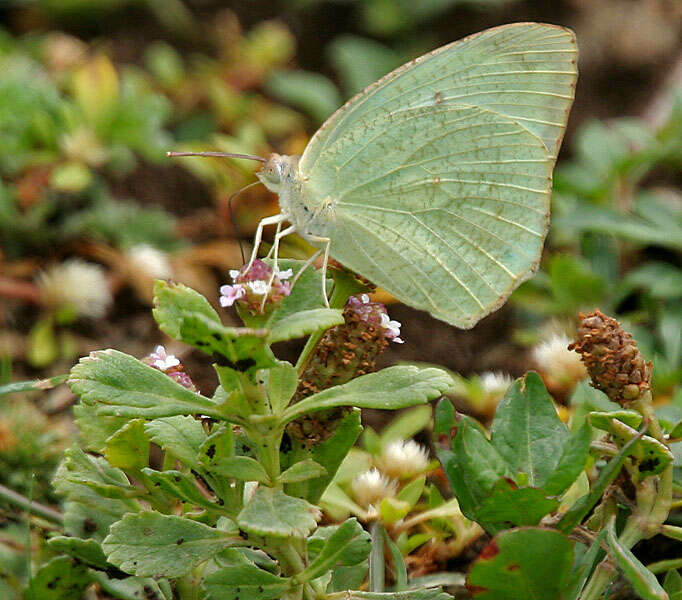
(285, 274)
(234, 273)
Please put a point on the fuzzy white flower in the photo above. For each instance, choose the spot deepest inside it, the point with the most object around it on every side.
(162, 360)
(393, 328)
(77, 284)
(495, 383)
(553, 358)
(151, 260)
(371, 487)
(401, 459)
(258, 287)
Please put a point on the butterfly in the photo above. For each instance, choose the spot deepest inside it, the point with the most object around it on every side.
(434, 182)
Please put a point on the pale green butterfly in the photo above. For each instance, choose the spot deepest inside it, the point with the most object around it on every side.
(434, 182)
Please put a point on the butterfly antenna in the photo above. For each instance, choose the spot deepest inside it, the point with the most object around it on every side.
(234, 221)
(217, 154)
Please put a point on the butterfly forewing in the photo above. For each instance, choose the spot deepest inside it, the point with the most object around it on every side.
(439, 174)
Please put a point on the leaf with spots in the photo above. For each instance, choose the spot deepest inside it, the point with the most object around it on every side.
(152, 544)
(524, 563)
(240, 579)
(62, 577)
(270, 512)
(183, 487)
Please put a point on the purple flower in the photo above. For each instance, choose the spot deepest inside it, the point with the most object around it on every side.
(231, 293)
(170, 365)
(375, 314)
(250, 287)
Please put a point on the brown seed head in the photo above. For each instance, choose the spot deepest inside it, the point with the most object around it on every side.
(613, 361)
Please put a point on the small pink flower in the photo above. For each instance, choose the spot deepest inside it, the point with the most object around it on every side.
(375, 313)
(161, 360)
(250, 286)
(231, 293)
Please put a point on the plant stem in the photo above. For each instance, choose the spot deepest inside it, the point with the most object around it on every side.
(377, 561)
(602, 576)
(30, 506)
(665, 565)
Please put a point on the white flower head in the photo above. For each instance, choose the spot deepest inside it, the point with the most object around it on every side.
(231, 293)
(285, 274)
(553, 358)
(162, 360)
(495, 383)
(392, 327)
(151, 260)
(258, 287)
(402, 459)
(78, 284)
(371, 487)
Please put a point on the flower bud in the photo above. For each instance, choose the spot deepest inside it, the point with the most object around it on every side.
(371, 487)
(613, 361)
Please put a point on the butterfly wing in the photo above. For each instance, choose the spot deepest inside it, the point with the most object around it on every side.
(526, 71)
(439, 174)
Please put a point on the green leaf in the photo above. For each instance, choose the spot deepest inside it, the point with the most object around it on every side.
(187, 316)
(398, 565)
(95, 430)
(153, 544)
(393, 509)
(303, 323)
(87, 551)
(122, 386)
(672, 583)
(391, 388)
(643, 581)
(421, 594)
(181, 436)
(62, 578)
(241, 467)
(282, 382)
(243, 580)
(473, 467)
(87, 514)
(330, 455)
(34, 385)
(407, 424)
(509, 505)
(218, 445)
(602, 420)
(519, 564)
(303, 470)
(583, 505)
(652, 456)
(348, 545)
(270, 512)
(133, 588)
(412, 492)
(128, 448)
(181, 486)
(311, 92)
(584, 566)
(571, 463)
(527, 432)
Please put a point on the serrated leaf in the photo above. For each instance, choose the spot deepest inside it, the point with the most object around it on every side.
(522, 563)
(152, 544)
(643, 581)
(128, 448)
(181, 486)
(270, 512)
(527, 432)
(302, 471)
(94, 429)
(391, 388)
(244, 468)
(181, 436)
(571, 463)
(509, 505)
(62, 578)
(348, 545)
(303, 323)
(186, 315)
(87, 551)
(120, 385)
(282, 381)
(243, 580)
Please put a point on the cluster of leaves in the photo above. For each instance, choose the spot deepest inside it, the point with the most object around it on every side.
(231, 509)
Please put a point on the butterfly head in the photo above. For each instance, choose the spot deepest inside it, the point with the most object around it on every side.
(277, 170)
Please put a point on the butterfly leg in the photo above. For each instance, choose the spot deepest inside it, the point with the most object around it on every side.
(325, 261)
(310, 261)
(275, 219)
(275, 252)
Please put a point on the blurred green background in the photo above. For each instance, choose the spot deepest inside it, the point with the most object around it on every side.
(94, 92)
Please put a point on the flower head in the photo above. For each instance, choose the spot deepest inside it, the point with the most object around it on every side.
(375, 314)
(402, 459)
(77, 284)
(170, 365)
(553, 359)
(495, 383)
(371, 487)
(250, 286)
(150, 260)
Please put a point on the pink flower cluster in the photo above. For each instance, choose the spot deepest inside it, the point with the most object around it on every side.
(250, 286)
(170, 365)
(375, 313)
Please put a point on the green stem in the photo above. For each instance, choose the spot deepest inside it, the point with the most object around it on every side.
(30, 506)
(665, 565)
(602, 576)
(377, 561)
